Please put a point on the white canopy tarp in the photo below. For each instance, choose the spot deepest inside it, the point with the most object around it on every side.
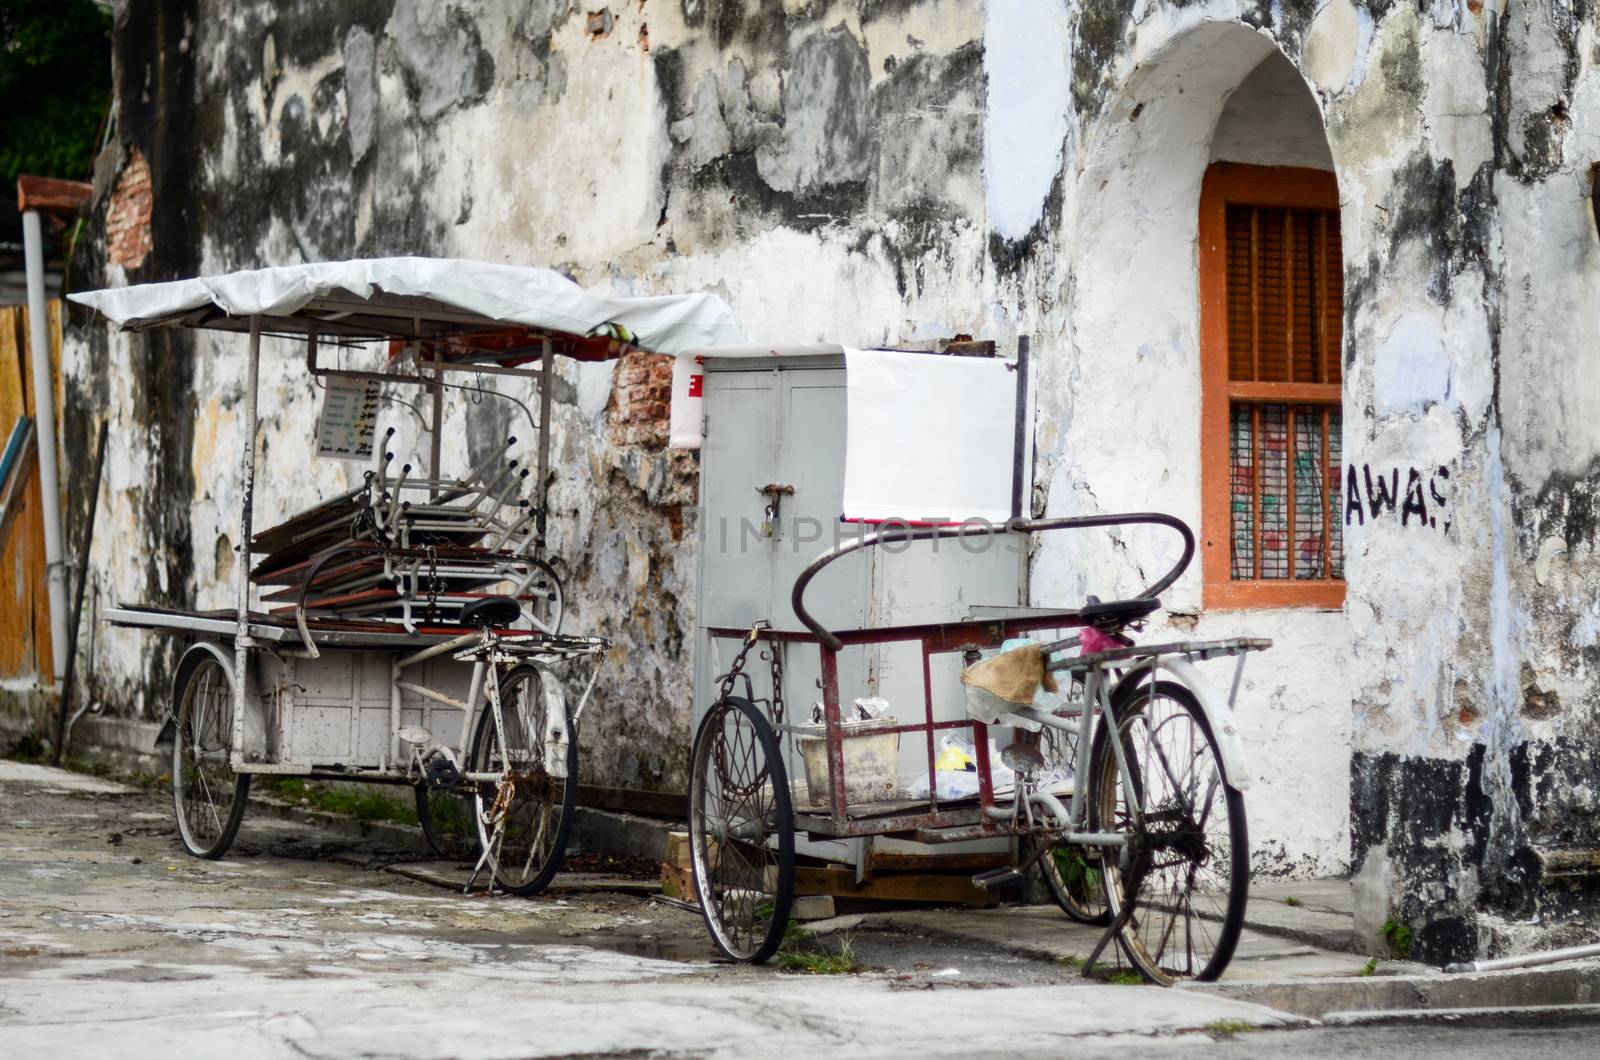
(506, 294)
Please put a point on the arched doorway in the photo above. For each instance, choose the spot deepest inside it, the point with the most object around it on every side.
(1131, 397)
(1271, 278)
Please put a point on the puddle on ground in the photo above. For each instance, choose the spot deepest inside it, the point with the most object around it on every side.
(681, 950)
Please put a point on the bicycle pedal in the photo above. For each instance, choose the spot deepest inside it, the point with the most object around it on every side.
(995, 878)
(443, 774)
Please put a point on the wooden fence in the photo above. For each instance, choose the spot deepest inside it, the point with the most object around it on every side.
(24, 598)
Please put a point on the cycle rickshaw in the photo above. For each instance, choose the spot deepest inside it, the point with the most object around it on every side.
(1147, 835)
(406, 631)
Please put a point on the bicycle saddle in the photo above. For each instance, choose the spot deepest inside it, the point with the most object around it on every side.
(1112, 613)
(492, 612)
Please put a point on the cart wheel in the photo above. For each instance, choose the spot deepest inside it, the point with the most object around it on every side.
(1185, 872)
(208, 797)
(548, 606)
(1071, 873)
(446, 819)
(535, 808)
(741, 831)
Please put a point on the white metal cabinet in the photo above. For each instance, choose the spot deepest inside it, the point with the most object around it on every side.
(784, 425)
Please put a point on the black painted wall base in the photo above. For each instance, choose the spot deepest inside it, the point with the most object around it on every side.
(1479, 843)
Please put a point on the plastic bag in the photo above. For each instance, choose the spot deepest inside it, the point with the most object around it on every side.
(960, 779)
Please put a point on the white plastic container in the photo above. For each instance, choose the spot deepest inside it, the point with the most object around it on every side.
(871, 761)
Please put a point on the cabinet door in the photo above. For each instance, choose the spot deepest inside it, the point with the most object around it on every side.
(811, 450)
(739, 455)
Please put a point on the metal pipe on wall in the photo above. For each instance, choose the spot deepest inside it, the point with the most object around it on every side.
(64, 724)
(44, 411)
(1526, 960)
(1021, 488)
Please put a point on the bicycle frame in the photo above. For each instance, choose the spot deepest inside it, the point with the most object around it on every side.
(1096, 703)
(935, 824)
(488, 650)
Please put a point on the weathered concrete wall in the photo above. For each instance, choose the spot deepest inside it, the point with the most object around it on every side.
(881, 170)
(1457, 138)
(803, 163)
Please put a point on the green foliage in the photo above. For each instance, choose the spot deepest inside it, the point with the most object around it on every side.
(1398, 936)
(1082, 879)
(1228, 1028)
(1126, 977)
(1293, 902)
(816, 959)
(55, 84)
(1071, 960)
(368, 804)
(1370, 968)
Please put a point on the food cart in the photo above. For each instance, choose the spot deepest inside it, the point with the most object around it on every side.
(407, 630)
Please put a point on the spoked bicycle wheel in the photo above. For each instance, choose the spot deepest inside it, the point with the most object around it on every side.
(1071, 873)
(547, 605)
(741, 831)
(208, 797)
(524, 819)
(446, 820)
(1185, 872)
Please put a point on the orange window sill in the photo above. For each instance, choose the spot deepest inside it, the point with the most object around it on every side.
(1245, 595)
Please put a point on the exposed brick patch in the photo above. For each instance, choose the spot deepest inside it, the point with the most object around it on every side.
(128, 216)
(641, 400)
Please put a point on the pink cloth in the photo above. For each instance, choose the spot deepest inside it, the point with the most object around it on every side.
(1091, 640)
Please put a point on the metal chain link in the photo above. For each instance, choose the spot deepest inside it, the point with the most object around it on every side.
(777, 683)
(435, 585)
(725, 682)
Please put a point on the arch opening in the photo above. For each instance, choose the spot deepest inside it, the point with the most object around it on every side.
(1124, 407)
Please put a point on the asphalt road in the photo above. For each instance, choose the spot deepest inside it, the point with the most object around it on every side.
(114, 943)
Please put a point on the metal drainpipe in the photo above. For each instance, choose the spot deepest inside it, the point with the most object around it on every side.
(44, 411)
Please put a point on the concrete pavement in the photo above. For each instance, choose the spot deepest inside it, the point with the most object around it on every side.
(115, 943)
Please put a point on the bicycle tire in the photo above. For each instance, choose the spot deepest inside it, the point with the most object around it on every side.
(1178, 777)
(534, 790)
(208, 797)
(741, 831)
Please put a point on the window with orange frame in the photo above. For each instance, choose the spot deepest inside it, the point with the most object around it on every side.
(1271, 320)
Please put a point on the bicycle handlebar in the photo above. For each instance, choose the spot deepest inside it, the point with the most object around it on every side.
(1021, 526)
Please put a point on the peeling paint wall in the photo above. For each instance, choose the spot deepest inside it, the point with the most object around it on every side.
(886, 170)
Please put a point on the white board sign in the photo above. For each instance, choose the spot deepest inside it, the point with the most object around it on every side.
(930, 437)
(349, 418)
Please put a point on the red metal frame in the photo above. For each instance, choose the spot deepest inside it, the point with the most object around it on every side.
(933, 639)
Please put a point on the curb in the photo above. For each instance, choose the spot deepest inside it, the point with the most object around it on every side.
(1501, 1016)
(1558, 989)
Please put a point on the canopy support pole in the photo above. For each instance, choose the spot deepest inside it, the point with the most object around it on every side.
(44, 417)
(241, 567)
(1021, 494)
(547, 371)
(436, 436)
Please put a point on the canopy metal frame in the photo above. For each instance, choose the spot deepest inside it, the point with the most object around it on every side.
(346, 317)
